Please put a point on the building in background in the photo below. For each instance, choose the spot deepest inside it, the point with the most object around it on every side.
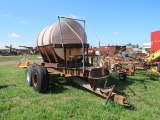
(146, 47)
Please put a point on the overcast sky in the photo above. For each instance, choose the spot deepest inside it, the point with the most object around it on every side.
(116, 22)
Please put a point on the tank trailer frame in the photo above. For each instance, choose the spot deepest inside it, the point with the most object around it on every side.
(77, 68)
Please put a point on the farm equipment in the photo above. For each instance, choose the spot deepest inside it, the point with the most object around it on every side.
(13, 51)
(4, 52)
(23, 64)
(111, 50)
(64, 50)
(117, 61)
(32, 49)
(153, 62)
(120, 67)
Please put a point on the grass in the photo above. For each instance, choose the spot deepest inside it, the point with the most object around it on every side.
(17, 58)
(68, 101)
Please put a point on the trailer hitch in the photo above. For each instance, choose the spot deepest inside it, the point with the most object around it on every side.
(107, 91)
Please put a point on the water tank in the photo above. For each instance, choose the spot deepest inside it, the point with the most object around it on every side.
(50, 43)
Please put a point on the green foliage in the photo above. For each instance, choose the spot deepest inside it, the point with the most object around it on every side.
(68, 101)
(130, 45)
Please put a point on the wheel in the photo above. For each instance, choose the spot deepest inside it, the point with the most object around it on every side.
(40, 79)
(126, 55)
(122, 76)
(158, 68)
(45, 85)
(28, 74)
(154, 68)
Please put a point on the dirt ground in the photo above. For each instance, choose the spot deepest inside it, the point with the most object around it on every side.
(16, 62)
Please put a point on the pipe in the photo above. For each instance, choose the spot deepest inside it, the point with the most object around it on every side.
(60, 30)
(71, 18)
(99, 43)
(62, 44)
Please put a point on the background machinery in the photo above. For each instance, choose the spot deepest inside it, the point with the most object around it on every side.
(152, 62)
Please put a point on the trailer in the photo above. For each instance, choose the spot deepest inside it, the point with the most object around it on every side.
(121, 67)
(64, 50)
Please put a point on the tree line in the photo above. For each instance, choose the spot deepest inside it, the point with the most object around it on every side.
(130, 45)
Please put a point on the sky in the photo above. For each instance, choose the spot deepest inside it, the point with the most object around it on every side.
(115, 22)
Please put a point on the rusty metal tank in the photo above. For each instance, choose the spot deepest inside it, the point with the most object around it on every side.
(51, 46)
(111, 50)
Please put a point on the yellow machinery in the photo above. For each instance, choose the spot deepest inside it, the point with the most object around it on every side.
(153, 61)
(24, 64)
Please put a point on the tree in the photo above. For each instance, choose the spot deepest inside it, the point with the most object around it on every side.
(130, 45)
(137, 46)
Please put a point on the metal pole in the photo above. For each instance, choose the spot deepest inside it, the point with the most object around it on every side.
(71, 18)
(86, 49)
(84, 43)
(99, 43)
(99, 55)
(60, 30)
(64, 49)
(83, 56)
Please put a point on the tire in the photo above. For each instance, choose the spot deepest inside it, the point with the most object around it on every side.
(40, 79)
(126, 55)
(122, 76)
(45, 85)
(154, 68)
(28, 74)
(158, 68)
